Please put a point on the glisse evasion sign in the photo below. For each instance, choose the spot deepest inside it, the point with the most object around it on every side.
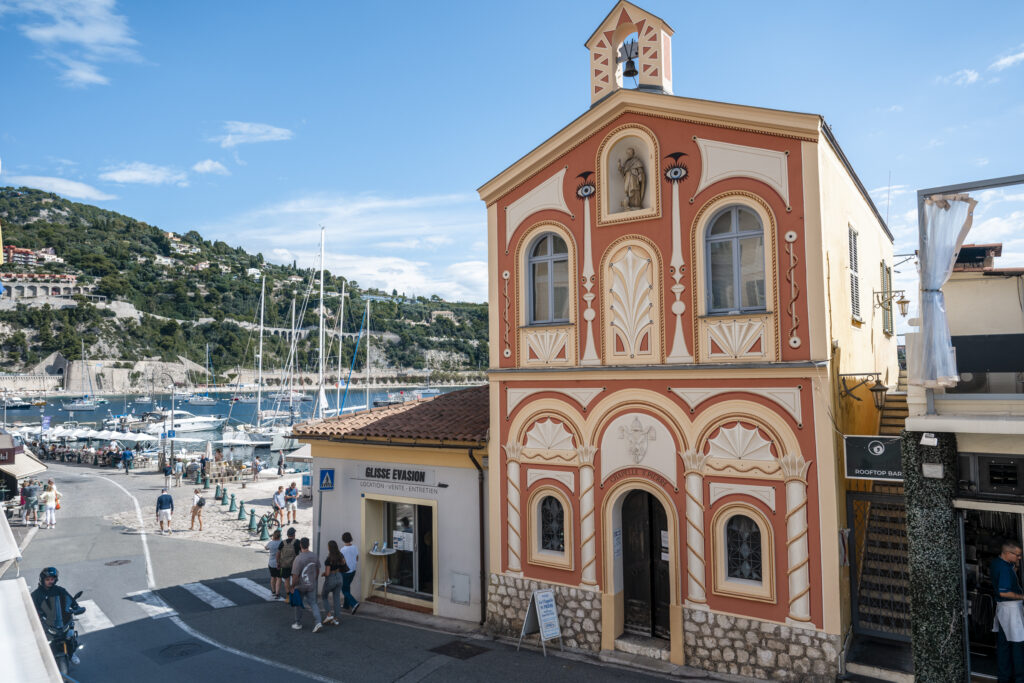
(373, 475)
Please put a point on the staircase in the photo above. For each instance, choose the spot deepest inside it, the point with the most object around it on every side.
(894, 412)
(883, 595)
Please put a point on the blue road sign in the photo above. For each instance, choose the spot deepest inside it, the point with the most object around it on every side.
(170, 434)
(327, 480)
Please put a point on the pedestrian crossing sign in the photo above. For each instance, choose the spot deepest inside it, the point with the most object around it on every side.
(327, 480)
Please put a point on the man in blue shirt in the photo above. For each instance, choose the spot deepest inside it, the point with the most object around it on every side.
(291, 503)
(164, 510)
(126, 459)
(1009, 613)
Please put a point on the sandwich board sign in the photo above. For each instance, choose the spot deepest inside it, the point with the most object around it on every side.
(542, 618)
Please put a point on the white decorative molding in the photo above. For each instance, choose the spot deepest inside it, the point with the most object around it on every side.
(638, 436)
(794, 467)
(696, 568)
(513, 451)
(765, 494)
(619, 452)
(590, 356)
(788, 398)
(547, 345)
(736, 337)
(582, 395)
(631, 296)
(679, 352)
(534, 475)
(693, 461)
(549, 436)
(740, 443)
(585, 454)
(547, 195)
(721, 160)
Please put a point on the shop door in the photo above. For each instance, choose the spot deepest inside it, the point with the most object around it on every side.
(646, 580)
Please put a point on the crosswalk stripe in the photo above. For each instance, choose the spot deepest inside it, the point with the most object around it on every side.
(152, 604)
(93, 619)
(253, 587)
(208, 595)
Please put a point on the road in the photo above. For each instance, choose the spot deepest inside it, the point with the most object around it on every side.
(176, 609)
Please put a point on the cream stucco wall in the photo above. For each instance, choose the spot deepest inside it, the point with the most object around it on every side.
(1001, 312)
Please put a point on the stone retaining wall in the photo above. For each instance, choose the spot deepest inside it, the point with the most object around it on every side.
(579, 610)
(748, 647)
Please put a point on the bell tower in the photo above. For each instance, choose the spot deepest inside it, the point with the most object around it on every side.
(611, 53)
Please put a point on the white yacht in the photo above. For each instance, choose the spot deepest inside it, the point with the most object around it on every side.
(184, 421)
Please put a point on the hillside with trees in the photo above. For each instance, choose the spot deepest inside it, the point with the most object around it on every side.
(192, 292)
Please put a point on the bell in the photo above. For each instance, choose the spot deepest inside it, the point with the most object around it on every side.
(630, 70)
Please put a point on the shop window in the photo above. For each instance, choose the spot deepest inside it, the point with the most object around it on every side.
(409, 529)
(735, 262)
(550, 528)
(548, 289)
(743, 553)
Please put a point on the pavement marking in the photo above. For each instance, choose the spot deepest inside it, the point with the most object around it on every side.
(93, 619)
(208, 595)
(253, 587)
(150, 580)
(152, 604)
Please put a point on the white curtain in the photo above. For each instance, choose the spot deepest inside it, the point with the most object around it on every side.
(947, 221)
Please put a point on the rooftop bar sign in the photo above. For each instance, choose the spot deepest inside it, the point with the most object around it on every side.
(877, 458)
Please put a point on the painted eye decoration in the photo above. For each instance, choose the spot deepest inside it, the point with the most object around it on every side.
(676, 171)
(586, 187)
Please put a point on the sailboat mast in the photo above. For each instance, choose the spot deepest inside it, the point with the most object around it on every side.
(293, 360)
(320, 382)
(259, 354)
(368, 406)
(341, 343)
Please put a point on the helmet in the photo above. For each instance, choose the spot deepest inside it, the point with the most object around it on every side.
(49, 571)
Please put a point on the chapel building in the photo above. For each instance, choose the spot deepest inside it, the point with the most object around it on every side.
(675, 286)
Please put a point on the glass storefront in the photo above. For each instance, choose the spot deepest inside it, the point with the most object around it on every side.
(410, 531)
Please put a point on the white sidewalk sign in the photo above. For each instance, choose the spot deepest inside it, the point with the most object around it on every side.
(542, 618)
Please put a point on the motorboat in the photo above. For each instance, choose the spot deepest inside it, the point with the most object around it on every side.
(182, 421)
(16, 403)
(243, 398)
(202, 401)
(39, 402)
(146, 399)
(80, 404)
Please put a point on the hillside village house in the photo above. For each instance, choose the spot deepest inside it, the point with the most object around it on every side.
(675, 288)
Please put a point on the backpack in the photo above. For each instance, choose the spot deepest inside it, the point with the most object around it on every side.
(288, 554)
(201, 502)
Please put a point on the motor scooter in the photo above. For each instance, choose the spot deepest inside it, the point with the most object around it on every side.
(64, 639)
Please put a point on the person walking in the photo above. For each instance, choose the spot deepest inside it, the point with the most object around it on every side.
(305, 573)
(198, 502)
(275, 572)
(49, 500)
(164, 510)
(30, 491)
(291, 503)
(1009, 621)
(286, 555)
(278, 502)
(168, 473)
(334, 577)
(179, 471)
(280, 463)
(351, 554)
(126, 460)
(203, 461)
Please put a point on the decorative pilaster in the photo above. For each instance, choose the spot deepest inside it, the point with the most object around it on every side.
(794, 469)
(696, 572)
(585, 191)
(587, 527)
(515, 541)
(679, 353)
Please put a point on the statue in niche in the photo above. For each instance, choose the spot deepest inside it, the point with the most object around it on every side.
(635, 176)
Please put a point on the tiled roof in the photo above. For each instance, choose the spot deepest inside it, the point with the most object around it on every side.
(456, 416)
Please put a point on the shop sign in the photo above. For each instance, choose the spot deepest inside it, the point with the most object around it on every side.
(877, 458)
(542, 618)
(375, 475)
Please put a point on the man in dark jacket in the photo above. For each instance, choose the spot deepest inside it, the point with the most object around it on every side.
(55, 606)
(164, 510)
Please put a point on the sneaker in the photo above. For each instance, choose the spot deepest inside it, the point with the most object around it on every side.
(317, 626)
(297, 626)
(355, 607)
(75, 660)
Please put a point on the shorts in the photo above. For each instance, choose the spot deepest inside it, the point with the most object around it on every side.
(275, 573)
(286, 572)
(291, 507)
(163, 515)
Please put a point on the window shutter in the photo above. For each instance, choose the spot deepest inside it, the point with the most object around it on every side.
(854, 276)
(887, 317)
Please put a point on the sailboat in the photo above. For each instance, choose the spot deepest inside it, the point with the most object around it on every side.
(206, 400)
(83, 403)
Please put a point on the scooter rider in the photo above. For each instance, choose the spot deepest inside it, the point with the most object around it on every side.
(56, 607)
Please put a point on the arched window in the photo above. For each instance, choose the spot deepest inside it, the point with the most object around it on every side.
(552, 525)
(743, 549)
(549, 280)
(735, 258)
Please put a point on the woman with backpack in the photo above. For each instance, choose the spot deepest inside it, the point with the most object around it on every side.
(334, 572)
(198, 502)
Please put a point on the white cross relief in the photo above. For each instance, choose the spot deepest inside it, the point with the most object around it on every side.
(637, 436)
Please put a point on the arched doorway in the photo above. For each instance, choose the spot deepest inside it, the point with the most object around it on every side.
(647, 583)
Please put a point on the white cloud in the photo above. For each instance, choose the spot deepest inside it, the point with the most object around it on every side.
(888, 192)
(146, 174)
(896, 108)
(242, 132)
(981, 161)
(210, 166)
(961, 77)
(66, 188)
(77, 35)
(1009, 60)
(365, 235)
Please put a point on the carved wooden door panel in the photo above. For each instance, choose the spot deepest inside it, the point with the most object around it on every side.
(661, 578)
(636, 563)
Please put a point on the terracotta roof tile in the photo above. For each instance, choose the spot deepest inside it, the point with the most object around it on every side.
(456, 416)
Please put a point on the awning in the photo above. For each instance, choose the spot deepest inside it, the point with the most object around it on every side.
(25, 465)
(303, 453)
(8, 546)
(23, 648)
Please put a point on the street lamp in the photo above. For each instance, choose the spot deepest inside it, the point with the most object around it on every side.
(878, 391)
(884, 300)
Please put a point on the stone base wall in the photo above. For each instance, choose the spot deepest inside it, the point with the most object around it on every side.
(748, 647)
(579, 610)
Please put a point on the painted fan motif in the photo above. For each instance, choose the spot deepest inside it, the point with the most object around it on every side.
(740, 443)
(548, 346)
(549, 436)
(736, 337)
(631, 296)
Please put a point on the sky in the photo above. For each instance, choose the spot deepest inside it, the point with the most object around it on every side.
(257, 122)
